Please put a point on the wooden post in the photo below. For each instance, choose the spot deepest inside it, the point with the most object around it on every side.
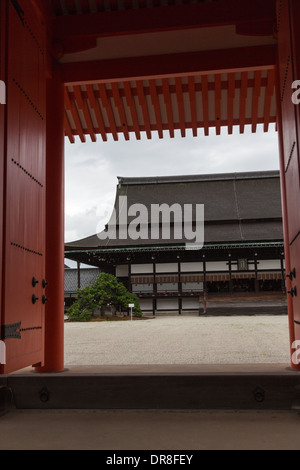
(78, 275)
(204, 288)
(54, 318)
(256, 273)
(154, 299)
(179, 289)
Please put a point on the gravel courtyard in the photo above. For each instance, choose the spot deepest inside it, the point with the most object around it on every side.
(179, 340)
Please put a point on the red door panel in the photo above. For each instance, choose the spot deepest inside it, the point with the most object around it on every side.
(24, 257)
(289, 52)
(292, 195)
(2, 119)
(294, 291)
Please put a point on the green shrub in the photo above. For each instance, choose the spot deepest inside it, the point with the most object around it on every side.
(106, 290)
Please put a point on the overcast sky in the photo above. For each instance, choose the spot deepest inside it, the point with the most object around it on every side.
(92, 168)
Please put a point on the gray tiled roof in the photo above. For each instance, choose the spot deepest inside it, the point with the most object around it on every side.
(237, 206)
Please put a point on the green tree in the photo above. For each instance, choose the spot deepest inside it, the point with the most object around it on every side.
(105, 291)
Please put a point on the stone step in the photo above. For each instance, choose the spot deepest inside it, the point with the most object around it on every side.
(246, 387)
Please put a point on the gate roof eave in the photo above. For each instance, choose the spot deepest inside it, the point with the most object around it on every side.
(132, 68)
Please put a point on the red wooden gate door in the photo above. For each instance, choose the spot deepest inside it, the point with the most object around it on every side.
(288, 14)
(23, 301)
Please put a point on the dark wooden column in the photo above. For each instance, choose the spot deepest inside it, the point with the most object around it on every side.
(230, 274)
(256, 273)
(154, 298)
(204, 286)
(179, 289)
(282, 273)
(129, 277)
(78, 275)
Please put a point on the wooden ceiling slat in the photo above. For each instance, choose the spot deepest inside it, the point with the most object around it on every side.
(193, 106)
(122, 99)
(218, 96)
(230, 98)
(205, 103)
(68, 130)
(81, 102)
(77, 121)
(180, 105)
(155, 102)
(255, 99)
(143, 104)
(67, 100)
(268, 98)
(133, 112)
(168, 103)
(243, 98)
(110, 115)
(119, 105)
(94, 103)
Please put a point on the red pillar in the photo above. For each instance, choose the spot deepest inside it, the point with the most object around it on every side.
(54, 315)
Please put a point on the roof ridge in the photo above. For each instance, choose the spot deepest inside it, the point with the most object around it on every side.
(199, 177)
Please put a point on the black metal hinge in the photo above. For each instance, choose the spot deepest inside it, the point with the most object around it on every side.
(11, 331)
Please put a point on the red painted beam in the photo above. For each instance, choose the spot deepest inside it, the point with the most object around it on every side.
(166, 18)
(250, 82)
(189, 125)
(170, 65)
